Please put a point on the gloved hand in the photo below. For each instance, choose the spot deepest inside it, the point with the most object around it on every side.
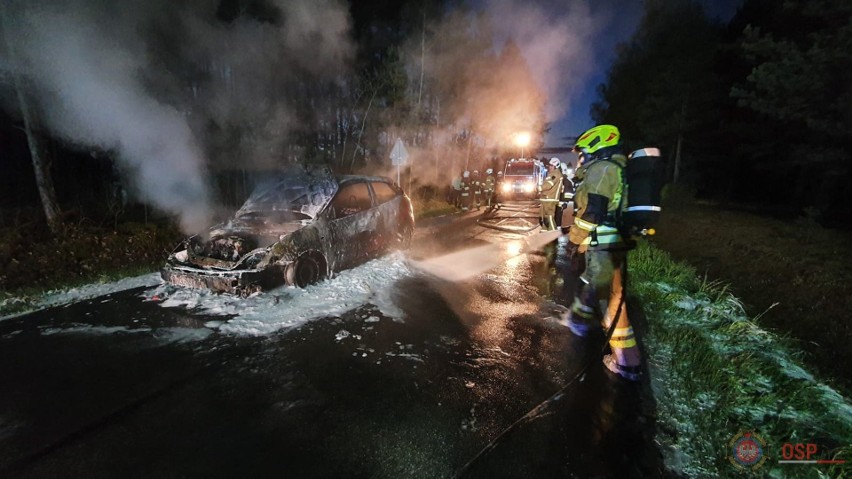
(576, 260)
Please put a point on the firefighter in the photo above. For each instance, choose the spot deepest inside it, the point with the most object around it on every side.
(465, 192)
(488, 187)
(455, 191)
(476, 189)
(549, 197)
(600, 193)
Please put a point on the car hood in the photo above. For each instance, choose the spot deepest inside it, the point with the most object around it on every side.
(280, 205)
(263, 230)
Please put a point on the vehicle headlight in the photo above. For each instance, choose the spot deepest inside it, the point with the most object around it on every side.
(507, 187)
(529, 187)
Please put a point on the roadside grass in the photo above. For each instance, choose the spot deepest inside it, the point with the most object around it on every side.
(36, 263)
(792, 275)
(30, 298)
(430, 207)
(715, 373)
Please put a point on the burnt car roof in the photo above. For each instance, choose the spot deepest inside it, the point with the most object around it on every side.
(348, 178)
(300, 189)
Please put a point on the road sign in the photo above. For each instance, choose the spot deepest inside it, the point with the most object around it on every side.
(398, 155)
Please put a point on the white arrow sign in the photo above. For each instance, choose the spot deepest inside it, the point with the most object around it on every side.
(399, 155)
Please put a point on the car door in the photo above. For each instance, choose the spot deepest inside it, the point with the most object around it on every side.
(351, 223)
(387, 206)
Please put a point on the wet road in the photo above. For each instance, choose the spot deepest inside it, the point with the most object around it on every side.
(123, 386)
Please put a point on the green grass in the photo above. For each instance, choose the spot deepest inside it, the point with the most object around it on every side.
(793, 276)
(29, 298)
(716, 373)
(429, 208)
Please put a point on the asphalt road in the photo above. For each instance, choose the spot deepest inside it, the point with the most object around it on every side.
(164, 396)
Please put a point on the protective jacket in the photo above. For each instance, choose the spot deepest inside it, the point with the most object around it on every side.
(551, 189)
(465, 198)
(488, 189)
(597, 199)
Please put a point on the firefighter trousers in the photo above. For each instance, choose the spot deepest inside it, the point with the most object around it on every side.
(596, 303)
(548, 212)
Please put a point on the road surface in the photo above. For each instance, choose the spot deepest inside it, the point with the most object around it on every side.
(135, 384)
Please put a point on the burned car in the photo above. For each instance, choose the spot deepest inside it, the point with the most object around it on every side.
(296, 228)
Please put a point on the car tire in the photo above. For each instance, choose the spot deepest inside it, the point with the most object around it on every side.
(308, 269)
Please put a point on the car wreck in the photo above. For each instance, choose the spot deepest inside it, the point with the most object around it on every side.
(296, 228)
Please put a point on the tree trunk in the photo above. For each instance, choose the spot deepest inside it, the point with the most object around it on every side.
(41, 166)
(677, 158)
(676, 174)
(361, 133)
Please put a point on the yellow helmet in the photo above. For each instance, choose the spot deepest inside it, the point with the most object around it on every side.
(601, 136)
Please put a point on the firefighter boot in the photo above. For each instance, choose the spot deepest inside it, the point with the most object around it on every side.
(630, 373)
(580, 319)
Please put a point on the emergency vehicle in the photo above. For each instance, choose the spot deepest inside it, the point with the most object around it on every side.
(522, 179)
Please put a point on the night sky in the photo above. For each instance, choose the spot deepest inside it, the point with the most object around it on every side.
(623, 21)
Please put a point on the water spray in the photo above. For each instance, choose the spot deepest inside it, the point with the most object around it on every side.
(465, 264)
(462, 265)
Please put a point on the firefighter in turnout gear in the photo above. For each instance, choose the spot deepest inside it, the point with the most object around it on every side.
(551, 190)
(600, 195)
(466, 198)
(488, 187)
(476, 187)
(455, 191)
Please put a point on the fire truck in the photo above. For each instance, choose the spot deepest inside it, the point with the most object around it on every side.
(521, 179)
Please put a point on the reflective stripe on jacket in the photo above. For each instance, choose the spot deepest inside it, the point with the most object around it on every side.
(550, 190)
(596, 200)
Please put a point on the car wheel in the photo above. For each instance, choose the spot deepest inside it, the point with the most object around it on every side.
(307, 270)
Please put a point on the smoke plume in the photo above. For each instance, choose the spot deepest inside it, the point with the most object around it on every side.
(483, 75)
(174, 89)
(555, 39)
(511, 66)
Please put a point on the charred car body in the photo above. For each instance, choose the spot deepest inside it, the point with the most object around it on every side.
(296, 228)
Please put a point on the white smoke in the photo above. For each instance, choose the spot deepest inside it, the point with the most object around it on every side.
(160, 84)
(494, 70)
(556, 39)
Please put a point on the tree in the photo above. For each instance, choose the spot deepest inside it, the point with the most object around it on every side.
(41, 165)
(800, 79)
(660, 89)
